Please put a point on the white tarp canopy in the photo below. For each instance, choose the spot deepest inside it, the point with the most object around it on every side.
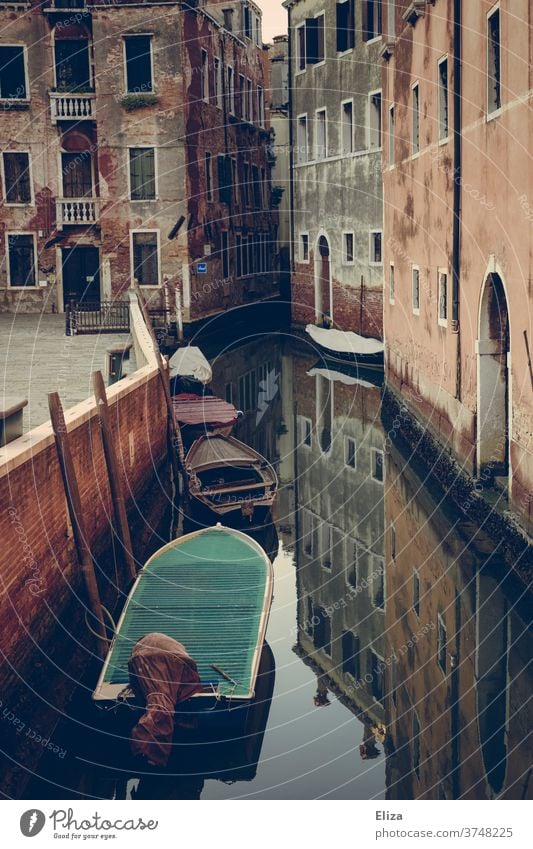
(338, 376)
(344, 342)
(190, 362)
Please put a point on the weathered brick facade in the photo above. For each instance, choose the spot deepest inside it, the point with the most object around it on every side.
(336, 144)
(120, 105)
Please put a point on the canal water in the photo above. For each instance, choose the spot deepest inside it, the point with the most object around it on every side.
(399, 642)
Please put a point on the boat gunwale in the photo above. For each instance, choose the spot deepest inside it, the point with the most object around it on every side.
(109, 692)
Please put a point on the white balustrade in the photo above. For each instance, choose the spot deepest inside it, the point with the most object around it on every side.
(81, 212)
(72, 107)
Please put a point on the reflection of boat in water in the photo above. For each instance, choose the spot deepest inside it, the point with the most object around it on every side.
(212, 591)
(345, 346)
(227, 477)
(200, 757)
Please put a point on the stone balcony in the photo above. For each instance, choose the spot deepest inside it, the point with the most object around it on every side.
(66, 106)
(77, 212)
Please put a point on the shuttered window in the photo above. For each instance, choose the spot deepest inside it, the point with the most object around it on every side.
(142, 173)
(17, 178)
(145, 258)
(21, 260)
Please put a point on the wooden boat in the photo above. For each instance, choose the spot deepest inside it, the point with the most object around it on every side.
(347, 347)
(200, 414)
(227, 477)
(212, 591)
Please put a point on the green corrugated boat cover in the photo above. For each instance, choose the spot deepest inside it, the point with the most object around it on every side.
(207, 592)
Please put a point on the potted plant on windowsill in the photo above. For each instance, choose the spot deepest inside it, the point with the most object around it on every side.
(138, 100)
(276, 196)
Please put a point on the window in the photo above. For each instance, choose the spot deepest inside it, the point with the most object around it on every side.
(321, 134)
(76, 174)
(218, 81)
(377, 671)
(245, 185)
(392, 537)
(351, 664)
(326, 539)
(12, 73)
(347, 127)
(315, 40)
(248, 22)
(352, 563)
(350, 452)
(72, 68)
(247, 389)
(416, 744)
(300, 48)
(256, 183)
(416, 118)
(242, 95)
(224, 178)
(347, 249)
(378, 583)
(416, 593)
(443, 99)
(391, 285)
(306, 432)
(392, 132)
(228, 393)
(225, 253)
(308, 533)
(302, 139)
(17, 180)
(377, 465)
(138, 49)
(376, 249)
(260, 106)
(372, 19)
(142, 173)
(249, 102)
(443, 298)
(322, 631)
(21, 260)
(374, 123)
(209, 177)
(416, 290)
(231, 90)
(146, 258)
(304, 247)
(345, 25)
(442, 643)
(494, 90)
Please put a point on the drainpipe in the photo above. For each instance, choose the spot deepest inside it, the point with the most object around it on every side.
(457, 184)
(291, 142)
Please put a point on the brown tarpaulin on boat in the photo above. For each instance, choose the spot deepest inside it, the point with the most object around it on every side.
(163, 674)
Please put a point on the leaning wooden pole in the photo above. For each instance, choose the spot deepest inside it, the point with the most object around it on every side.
(72, 494)
(122, 529)
(177, 438)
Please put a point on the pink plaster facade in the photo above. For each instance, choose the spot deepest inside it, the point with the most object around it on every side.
(470, 379)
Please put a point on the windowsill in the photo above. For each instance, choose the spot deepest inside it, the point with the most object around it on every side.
(444, 141)
(13, 103)
(300, 72)
(28, 205)
(491, 116)
(341, 53)
(415, 155)
(25, 288)
(372, 149)
(375, 264)
(144, 200)
(375, 39)
(416, 312)
(392, 302)
(320, 64)
(347, 264)
(303, 262)
(443, 323)
(351, 468)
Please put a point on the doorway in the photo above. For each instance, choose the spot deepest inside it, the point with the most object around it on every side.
(493, 381)
(81, 275)
(323, 306)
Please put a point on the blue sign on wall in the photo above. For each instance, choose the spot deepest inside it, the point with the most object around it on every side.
(201, 268)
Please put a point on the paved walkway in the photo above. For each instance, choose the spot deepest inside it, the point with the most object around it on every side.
(36, 358)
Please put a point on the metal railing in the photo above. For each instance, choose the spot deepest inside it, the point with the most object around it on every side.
(86, 317)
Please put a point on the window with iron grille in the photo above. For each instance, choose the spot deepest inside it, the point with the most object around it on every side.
(21, 255)
(17, 177)
(76, 172)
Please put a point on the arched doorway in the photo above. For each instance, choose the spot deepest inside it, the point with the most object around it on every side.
(323, 306)
(493, 381)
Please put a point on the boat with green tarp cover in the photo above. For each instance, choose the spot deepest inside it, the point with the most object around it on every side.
(211, 591)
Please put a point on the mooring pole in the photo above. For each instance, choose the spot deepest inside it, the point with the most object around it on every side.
(72, 494)
(175, 429)
(122, 529)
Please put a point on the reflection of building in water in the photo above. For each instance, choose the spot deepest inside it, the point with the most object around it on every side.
(249, 376)
(458, 689)
(339, 454)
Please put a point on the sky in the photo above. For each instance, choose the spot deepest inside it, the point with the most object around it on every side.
(274, 18)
